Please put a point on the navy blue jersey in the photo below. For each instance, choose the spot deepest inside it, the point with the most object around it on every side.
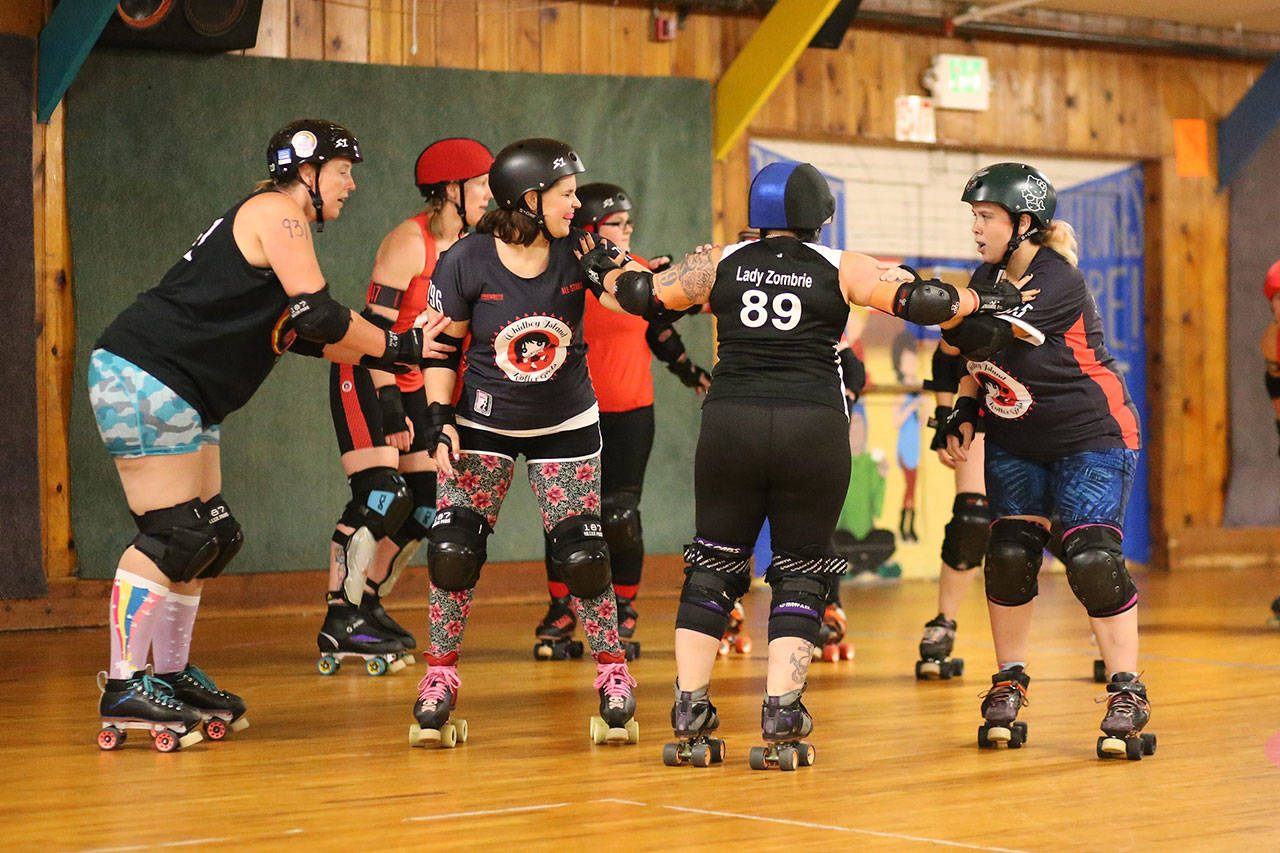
(213, 327)
(526, 364)
(1066, 395)
(779, 315)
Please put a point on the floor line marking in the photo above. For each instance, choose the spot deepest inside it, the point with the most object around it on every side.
(809, 825)
(189, 842)
(620, 802)
(486, 812)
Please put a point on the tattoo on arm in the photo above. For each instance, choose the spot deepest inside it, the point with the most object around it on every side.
(695, 275)
(293, 228)
(800, 660)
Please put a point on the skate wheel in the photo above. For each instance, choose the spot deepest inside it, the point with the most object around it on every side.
(110, 738)
(756, 758)
(700, 755)
(396, 665)
(240, 725)
(215, 729)
(1111, 747)
(415, 735)
(460, 726)
(742, 644)
(788, 759)
(1133, 748)
(327, 665)
(1100, 671)
(1149, 744)
(846, 651)
(574, 649)
(717, 750)
(598, 729)
(921, 675)
(375, 666)
(542, 651)
(806, 754)
(1018, 736)
(830, 654)
(957, 666)
(165, 742)
(671, 754)
(632, 729)
(984, 742)
(409, 660)
(448, 736)
(725, 648)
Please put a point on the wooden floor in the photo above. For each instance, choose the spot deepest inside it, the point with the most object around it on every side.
(326, 763)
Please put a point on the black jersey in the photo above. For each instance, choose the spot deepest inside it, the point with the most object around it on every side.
(526, 364)
(212, 329)
(1066, 395)
(779, 315)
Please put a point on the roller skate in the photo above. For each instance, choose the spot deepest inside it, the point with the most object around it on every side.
(627, 626)
(143, 702)
(1000, 707)
(830, 646)
(1274, 620)
(693, 718)
(783, 721)
(371, 609)
(555, 632)
(1127, 712)
(222, 712)
(616, 723)
(346, 633)
(437, 697)
(935, 651)
(735, 637)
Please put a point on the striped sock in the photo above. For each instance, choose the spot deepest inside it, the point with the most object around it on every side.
(135, 608)
(171, 645)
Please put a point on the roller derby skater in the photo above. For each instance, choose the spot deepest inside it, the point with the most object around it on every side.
(775, 423)
(831, 645)
(220, 711)
(693, 719)
(1127, 713)
(735, 637)
(1062, 443)
(508, 407)
(437, 697)
(784, 720)
(141, 702)
(935, 651)
(346, 633)
(554, 633)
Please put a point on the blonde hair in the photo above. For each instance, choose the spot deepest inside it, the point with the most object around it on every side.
(264, 184)
(1061, 237)
(432, 208)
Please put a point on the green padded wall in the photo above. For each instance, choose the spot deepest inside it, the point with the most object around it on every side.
(159, 145)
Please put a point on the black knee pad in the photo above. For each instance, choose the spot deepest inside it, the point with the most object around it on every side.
(620, 512)
(801, 587)
(1013, 561)
(964, 540)
(1096, 570)
(579, 555)
(422, 484)
(178, 539)
(227, 529)
(456, 548)
(715, 577)
(1273, 386)
(380, 501)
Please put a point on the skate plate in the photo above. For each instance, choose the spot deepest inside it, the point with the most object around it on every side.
(375, 665)
(1132, 747)
(549, 649)
(602, 732)
(164, 738)
(943, 670)
(785, 755)
(700, 751)
(993, 735)
(447, 736)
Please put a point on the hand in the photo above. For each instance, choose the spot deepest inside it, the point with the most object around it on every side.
(705, 247)
(945, 458)
(403, 439)
(958, 427)
(430, 329)
(958, 448)
(660, 263)
(895, 273)
(1003, 295)
(586, 243)
(446, 453)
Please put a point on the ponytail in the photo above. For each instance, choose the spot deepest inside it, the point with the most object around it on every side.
(1061, 237)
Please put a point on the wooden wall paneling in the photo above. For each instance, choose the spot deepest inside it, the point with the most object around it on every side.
(865, 100)
(596, 46)
(1027, 95)
(736, 187)
(1052, 97)
(493, 35)
(1078, 101)
(420, 32)
(387, 31)
(955, 127)
(1154, 430)
(697, 47)
(630, 29)
(1105, 125)
(525, 35)
(306, 29)
(657, 58)
(24, 17)
(456, 34)
(810, 97)
(1002, 65)
(839, 91)
(564, 44)
(273, 30)
(346, 31)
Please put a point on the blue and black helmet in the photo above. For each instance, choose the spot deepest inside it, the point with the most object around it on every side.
(789, 197)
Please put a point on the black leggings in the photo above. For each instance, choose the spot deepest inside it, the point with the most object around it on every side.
(788, 462)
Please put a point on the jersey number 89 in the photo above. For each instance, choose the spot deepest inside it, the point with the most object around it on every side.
(755, 310)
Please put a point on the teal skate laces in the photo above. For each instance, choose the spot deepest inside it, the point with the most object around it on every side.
(615, 679)
(437, 681)
(197, 674)
(156, 689)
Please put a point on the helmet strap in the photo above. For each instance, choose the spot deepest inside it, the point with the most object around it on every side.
(461, 204)
(1016, 240)
(316, 201)
(541, 219)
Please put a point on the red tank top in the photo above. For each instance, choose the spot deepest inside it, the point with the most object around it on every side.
(414, 301)
(617, 356)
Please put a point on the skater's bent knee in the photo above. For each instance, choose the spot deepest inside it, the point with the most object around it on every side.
(801, 587)
(228, 531)
(456, 548)
(178, 539)
(964, 539)
(620, 512)
(579, 555)
(1013, 561)
(380, 501)
(1096, 570)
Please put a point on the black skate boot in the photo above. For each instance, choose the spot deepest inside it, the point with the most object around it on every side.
(1274, 620)
(221, 711)
(616, 723)
(735, 637)
(693, 718)
(372, 610)
(555, 632)
(1000, 707)
(627, 626)
(437, 697)
(831, 645)
(935, 650)
(142, 702)
(346, 633)
(783, 721)
(1127, 713)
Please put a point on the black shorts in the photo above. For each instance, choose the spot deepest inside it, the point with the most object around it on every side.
(554, 447)
(787, 462)
(628, 440)
(353, 404)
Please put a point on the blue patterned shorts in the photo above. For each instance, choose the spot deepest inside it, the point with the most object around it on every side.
(138, 415)
(1089, 487)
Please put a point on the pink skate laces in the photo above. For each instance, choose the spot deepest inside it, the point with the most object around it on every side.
(615, 679)
(438, 681)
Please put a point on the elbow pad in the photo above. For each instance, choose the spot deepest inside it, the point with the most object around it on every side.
(319, 317)
(947, 371)
(979, 336)
(634, 293)
(926, 303)
(664, 342)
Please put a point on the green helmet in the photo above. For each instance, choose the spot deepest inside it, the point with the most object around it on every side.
(1016, 187)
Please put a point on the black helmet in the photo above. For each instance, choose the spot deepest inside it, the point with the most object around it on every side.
(530, 164)
(789, 196)
(1016, 187)
(308, 140)
(599, 201)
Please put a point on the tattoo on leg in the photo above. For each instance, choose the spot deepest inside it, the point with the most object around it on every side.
(800, 660)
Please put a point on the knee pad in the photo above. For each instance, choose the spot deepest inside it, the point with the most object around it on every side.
(715, 577)
(380, 501)
(1096, 570)
(620, 513)
(801, 588)
(579, 555)
(1273, 386)
(178, 539)
(227, 529)
(456, 548)
(964, 540)
(416, 527)
(1013, 561)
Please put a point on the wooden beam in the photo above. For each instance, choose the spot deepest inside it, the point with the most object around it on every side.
(757, 70)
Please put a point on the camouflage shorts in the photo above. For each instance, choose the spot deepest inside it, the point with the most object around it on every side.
(138, 415)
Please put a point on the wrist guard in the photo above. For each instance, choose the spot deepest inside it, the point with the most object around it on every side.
(689, 374)
(997, 297)
(853, 373)
(392, 403)
(440, 415)
(965, 412)
(402, 353)
(603, 259)
(940, 415)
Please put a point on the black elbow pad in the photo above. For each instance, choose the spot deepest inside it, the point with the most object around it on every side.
(926, 303)
(979, 336)
(634, 293)
(947, 372)
(383, 323)
(319, 317)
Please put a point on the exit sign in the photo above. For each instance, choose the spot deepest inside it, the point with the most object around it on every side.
(959, 82)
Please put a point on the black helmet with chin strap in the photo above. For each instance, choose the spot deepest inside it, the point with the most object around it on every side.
(309, 140)
(531, 164)
(599, 201)
(1019, 189)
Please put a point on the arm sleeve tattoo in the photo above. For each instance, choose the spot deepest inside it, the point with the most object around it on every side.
(695, 275)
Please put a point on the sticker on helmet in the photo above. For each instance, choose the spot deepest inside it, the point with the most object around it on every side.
(558, 163)
(1034, 192)
(341, 142)
(284, 156)
(304, 143)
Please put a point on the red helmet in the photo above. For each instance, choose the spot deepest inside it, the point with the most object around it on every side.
(1272, 284)
(448, 160)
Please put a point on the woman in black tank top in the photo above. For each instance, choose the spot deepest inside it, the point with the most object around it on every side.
(164, 375)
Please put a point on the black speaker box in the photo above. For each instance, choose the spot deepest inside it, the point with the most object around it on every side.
(185, 25)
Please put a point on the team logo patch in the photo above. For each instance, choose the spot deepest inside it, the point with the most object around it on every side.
(483, 404)
(304, 143)
(1006, 397)
(1034, 192)
(531, 349)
